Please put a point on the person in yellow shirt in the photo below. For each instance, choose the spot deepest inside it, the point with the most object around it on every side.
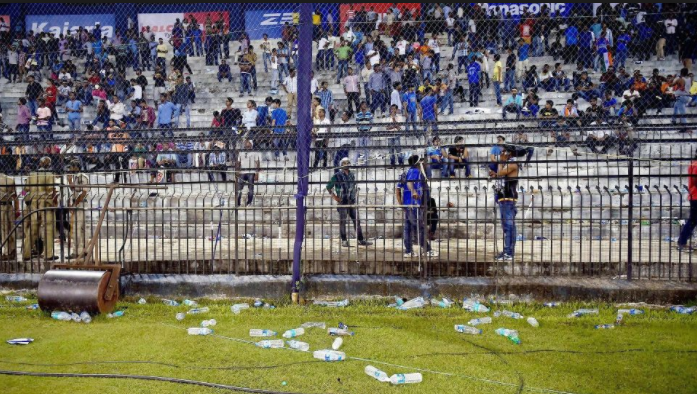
(498, 78)
(162, 50)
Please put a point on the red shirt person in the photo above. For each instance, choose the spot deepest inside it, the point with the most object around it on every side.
(689, 227)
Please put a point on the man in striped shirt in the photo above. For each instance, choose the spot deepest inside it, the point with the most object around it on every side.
(326, 99)
(364, 118)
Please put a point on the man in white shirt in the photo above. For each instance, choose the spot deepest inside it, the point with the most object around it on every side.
(322, 47)
(366, 72)
(373, 57)
(435, 46)
(671, 24)
(631, 94)
(137, 90)
(396, 97)
(248, 168)
(402, 46)
(314, 84)
(394, 125)
(116, 108)
(266, 48)
(290, 86)
(249, 117)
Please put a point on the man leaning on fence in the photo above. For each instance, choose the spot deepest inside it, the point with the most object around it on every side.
(39, 217)
(77, 180)
(9, 211)
(410, 193)
(342, 188)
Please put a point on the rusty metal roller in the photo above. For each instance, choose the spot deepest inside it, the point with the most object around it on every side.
(77, 289)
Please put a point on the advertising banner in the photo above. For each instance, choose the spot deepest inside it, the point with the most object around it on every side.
(260, 22)
(518, 9)
(67, 24)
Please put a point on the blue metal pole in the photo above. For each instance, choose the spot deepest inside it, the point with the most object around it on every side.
(304, 127)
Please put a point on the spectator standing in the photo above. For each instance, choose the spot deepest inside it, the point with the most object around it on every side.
(497, 78)
(74, 109)
(352, 88)
(279, 119)
(23, 118)
(180, 100)
(394, 125)
(342, 188)
(689, 227)
(364, 119)
(231, 117)
(428, 113)
(250, 115)
(473, 74)
(410, 193)
(511, 61)
(326, 100)
(290, 86)
(248, 167)
(161, 51)
(165, 113)
(32, 93)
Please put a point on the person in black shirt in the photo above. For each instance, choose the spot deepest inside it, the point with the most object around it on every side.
(458, 157)
(585, 87)
(549, 115)
(142, 81)
(33, 92)
(594, 113)
(506, 197)
(231, 116)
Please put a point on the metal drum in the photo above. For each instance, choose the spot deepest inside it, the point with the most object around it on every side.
(77, 291)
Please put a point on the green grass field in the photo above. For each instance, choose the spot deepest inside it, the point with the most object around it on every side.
(652, 353)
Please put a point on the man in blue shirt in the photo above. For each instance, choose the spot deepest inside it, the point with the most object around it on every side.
(263, 112)
(224, 71)
(428, 113)
(513, 104)
(623, 42)
(74, 109)
(410, 107)
(279, 118)
(523, 56)
(473, 73)
(571, 51)
(585, 50)
(410, 192)
(376, 84)
(165, 112)
(437, 159)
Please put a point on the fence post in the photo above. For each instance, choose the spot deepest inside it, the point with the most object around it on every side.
(303, 136)
(630, 219)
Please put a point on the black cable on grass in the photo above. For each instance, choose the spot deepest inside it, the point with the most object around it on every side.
(498, 355)
(142, 377)
(192, 367)
(559, 351)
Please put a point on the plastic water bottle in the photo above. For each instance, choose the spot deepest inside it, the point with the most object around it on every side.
(398, 300)
(271, 344)
(297, 345)
(75, 317)
(445, 303)
(582, 312)
(619, 319)
(199, 331)
(32, 307)
(417, 302)
(407, 378)
(533, 322)
(339, 332)
(294, 333)
(329, 355)
(237, 308)
(189, 303)
(170, 302)
(116, 314)
(15, 299)
(376, 373)
(605, 327)
(320, 325)
(483, 320)
(467, 329)
(333, 304)
(181, 316)
(197, 311)
(261, 333)
(512, 315)
(86, 318)
(142, 301)
(336, 345)
(682, 310)
(268, 306)
(474, 306)
(510, 334)
(258, 303)
(62, 316)
(208, 323)
(552, 304)
(631, 312)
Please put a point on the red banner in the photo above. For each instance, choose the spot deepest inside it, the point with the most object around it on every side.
(347, 11)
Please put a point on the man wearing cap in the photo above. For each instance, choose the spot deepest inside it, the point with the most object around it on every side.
(39, 226)
(77, 181)
(9, 211)
(342, 188)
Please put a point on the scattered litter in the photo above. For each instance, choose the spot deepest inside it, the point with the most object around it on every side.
(483, 320)
(467, 329)
(237, 308)
(20, 341)
(116, 314)
(683, 310)
(75, 317)
(297, 345)
(398, 301)
(408, 378)
(320, 325)
(377, 374)
(619, 319)
(336, 345)
(32, 307)
(271, 344)
(258, 303)
(339, 332)
(445, 303)
(62, 316)
(512, 315)
(208, 323)
(417, 302)
(16, 299)
(199, 331)
(142, 301)
(473, 306)
(582, 312)
(343, 326)
(539, 238)
(552, 304)
(181, 316)
(329, 355)
(294, 333)
(85, 317)
(333, 304)
(268, 306)
(262, 333)
(170, 302)
(510, 334)
(189, 303)
(197, 311)
(605, 327)
(631, 312)
(533, 322)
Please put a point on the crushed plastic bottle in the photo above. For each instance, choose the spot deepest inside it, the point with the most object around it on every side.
(398, 301)
(533, 322)
(181, 316)
(445, 303)
(15, 299)
(408, 378)
(377, 374)
(583, 312)
(339, 332)
(296, 332)
(512, 315)
(329, 355)
(268, 306)
(619, 319)
(474, 306)
(189, 303)
(510, 334)
(62, 316)
(271, 344)
(75, 317)
(142, 301)
(467, 329)
(199, 331)
(605, 327)
(20, 341)
(483, 320)
(32, 307)
(170, 302)
(332, 304)
(208, 323)
(116, 314)
(237, 308)
(297, 345)
(631, 312)
(320, 325)
(552, 304)
(85, 317)
(417, 302)
(262, 333)
(336, 345)
(258, 303)
(683, 310)
(198, 311)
